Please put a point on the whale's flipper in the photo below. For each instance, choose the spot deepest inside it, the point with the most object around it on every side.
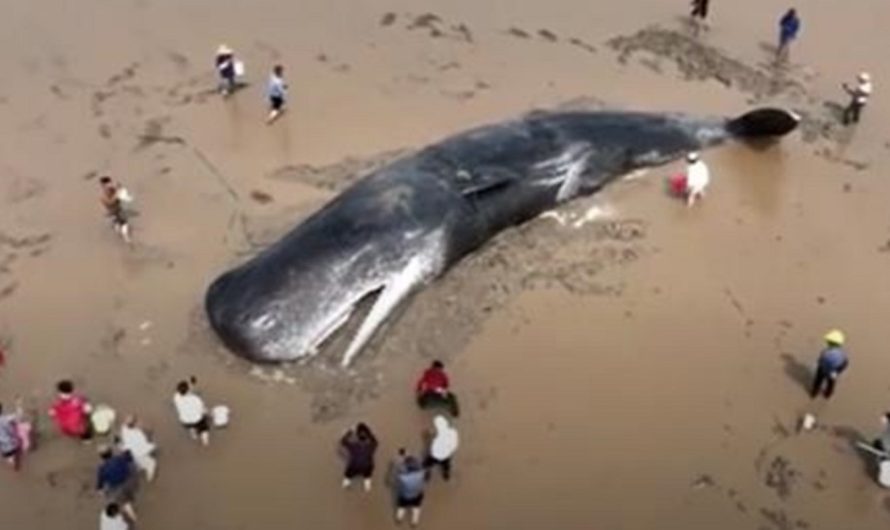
(763, 123)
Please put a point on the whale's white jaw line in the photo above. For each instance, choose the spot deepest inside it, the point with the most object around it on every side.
(420, 268)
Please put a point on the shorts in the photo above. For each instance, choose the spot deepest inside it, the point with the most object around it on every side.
(403, 502)
(358, 471)
(201, 426)
(125, 493)
(276, 102)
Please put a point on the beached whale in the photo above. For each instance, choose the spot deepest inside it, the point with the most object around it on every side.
(407, 223)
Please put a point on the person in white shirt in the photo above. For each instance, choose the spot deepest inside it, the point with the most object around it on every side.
(134, 439)
(858, 98)
(191, 411)
(276, 91)
(111, 518)
(442, 448)
(698, 176)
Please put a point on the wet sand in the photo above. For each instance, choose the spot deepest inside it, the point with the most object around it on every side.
(642, 370)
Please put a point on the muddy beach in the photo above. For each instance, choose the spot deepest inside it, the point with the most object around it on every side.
(623, 362)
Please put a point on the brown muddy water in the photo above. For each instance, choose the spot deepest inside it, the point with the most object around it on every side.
(641, 370)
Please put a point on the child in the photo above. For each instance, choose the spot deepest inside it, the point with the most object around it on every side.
(277, 92)
(71, 412)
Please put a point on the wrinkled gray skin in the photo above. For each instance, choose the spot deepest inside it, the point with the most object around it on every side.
(402, 226)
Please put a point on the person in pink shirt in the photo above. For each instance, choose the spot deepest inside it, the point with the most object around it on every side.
(70, 412)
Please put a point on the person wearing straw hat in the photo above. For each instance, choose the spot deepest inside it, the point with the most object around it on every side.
(858, 97)
(225, 67)
(832, 362)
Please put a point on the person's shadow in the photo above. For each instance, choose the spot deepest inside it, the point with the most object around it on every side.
(799, 372)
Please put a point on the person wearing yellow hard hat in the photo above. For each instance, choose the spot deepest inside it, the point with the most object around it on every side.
(832, 362)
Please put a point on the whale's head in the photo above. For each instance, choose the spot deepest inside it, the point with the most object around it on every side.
(367, 248)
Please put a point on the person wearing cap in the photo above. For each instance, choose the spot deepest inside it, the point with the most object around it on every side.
(832, 362)
(858, 97)
(225, 67)
(698, 176)
(789, 27)
(444, 444)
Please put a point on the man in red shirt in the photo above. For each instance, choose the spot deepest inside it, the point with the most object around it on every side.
(71, 412)
(433, 390)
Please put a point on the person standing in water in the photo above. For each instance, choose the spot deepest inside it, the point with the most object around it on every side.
(859, 95)
(225, 67)
(832, 362)
(359, 445)
(276, 92)
(698, 177)
(789, 27)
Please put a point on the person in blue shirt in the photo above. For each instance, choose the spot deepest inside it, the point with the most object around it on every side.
(789, 27)
(832, 362)
(276, 91)
(117, 479)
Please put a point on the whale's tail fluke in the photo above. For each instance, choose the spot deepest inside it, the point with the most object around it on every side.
(764, 123)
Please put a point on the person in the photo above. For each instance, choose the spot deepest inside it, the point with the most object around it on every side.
(882, 442)
(225, 67)
(192, 411)
(832, 362)
(442, 448)
(134, 440)
(116, 478)
(10, 444)
(700, 9)
(858, 98)
(113, 197)
(70, 412)
(111, 518)
(698, 176)
(789, 27)
(277, 92)
(359, 444)
(433, 389)
(409, 487)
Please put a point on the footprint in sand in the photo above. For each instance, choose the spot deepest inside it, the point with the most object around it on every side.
(388, 19)
(518, 33)
(547, 35)
(574, 41)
